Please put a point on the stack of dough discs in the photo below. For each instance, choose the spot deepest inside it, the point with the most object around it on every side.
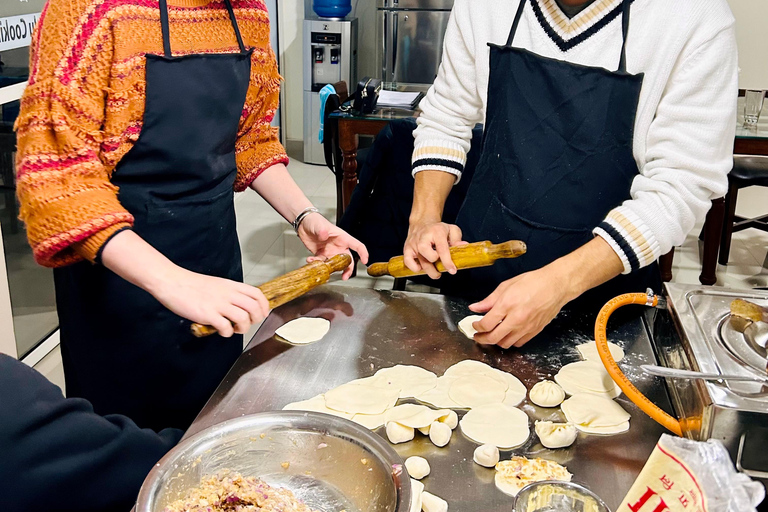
(465, 325)
(500, 425)
(410, 380)
(594, 414)
(415, 416)
(303, 331)
(588, 351)
(587, 377)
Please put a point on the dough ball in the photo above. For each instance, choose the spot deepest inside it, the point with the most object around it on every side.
(555, 435)
(465, 325)
(417, 467)
(451, 419)
(440, 434)
(546, 394)
(417, 489)
(432, 503)
(304, 330)
(588, 352)
(486, 455)
(397, 433)
(424, 430)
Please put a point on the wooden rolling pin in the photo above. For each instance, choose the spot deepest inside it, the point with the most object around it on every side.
(478, 254)
(291, 285)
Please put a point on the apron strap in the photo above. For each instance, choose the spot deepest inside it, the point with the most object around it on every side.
(624, 32)
(519, 15)
(235, 25)
(165, 26)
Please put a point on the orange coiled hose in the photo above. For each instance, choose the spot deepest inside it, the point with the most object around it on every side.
(648, 407)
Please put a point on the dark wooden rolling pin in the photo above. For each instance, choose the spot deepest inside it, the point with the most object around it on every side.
(478, 254)
(291, 285)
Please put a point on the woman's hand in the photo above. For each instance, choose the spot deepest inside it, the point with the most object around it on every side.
(229, 306)
(326, 240)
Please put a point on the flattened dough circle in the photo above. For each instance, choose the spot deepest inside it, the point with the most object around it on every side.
(501, 425)
(361, 398)
(587, 377)
(465, 325)
(304, 330)
(588, 351)
(475, 390)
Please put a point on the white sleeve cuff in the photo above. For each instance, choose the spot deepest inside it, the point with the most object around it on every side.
(439, 155)
(630, 238)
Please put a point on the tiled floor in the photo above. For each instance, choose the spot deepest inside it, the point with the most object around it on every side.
(271, 248)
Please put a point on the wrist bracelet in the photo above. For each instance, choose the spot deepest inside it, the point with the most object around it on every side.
(301, 216)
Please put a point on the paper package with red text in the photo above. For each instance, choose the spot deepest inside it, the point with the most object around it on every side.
(682, 475)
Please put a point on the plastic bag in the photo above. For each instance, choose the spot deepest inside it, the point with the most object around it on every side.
(691, 476)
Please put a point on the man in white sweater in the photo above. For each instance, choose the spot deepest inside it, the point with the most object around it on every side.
(608, 131)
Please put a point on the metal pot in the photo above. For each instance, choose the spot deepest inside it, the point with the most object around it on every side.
(330, 463)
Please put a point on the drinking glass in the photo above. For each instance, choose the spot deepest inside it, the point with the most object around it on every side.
(753, 104)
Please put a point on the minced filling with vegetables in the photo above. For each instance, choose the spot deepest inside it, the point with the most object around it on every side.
(232, 492)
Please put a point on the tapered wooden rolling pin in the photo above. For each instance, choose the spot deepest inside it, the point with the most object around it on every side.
(291, 285)
(478, 254)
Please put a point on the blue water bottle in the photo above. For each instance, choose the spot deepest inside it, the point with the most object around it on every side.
(332, 8)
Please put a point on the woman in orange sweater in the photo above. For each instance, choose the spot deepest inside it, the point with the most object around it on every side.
(140, 121)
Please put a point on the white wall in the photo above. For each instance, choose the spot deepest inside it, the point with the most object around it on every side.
(752, 37)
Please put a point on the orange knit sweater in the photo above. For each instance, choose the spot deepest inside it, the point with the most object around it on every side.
(84, 105)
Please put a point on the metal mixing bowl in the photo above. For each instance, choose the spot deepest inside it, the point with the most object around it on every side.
(330, 463)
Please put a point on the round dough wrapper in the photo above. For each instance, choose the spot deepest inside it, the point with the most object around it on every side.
(440, 434)
(410, 380)
(465, 325)
(370, 421)
(604, 431)
(417, 467)
(516, 390)
(397, 433)
(470, 367)
(486, 455)
(304, 330)
(432, 503)
(556, 435)
(315, 404)
(414, 416)
(501, 425)
(546, 394)
(438, 396)
(587, 377)
(588, 351)
(361, 398)
(590, 411)
(475, 390)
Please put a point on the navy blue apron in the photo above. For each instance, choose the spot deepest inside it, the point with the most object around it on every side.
(557, 157)
(123, 350)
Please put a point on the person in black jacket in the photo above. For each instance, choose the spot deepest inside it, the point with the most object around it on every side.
(56, 454)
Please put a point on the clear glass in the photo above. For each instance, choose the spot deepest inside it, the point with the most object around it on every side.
(33, 300)
(555, 496)
(753, 105)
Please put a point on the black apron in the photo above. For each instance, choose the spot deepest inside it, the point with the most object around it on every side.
(122, 349)
(557, 157)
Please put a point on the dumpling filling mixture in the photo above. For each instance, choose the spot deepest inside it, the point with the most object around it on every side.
(232, 492)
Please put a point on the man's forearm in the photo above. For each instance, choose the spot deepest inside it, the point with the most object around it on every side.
(430, 192)
(591, 265)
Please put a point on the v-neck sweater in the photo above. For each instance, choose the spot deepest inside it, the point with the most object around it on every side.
(686, 117)
(83, 110)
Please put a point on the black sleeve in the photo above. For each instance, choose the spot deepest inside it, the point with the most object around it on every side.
(57, 454)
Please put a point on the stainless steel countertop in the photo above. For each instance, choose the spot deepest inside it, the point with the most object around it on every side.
(375, 329)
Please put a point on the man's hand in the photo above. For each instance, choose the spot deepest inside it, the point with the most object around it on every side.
(325, 240)
(522, 306)
(428, 243)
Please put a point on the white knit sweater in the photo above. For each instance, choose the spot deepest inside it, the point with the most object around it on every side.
(686, 118)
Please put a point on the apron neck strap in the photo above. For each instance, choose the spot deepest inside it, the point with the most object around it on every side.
(624, 30)
(165, 26)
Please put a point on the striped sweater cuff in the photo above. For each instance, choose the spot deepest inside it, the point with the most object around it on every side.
(628, 235)
(439, 155)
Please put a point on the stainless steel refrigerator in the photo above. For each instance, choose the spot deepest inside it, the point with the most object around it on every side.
(410, 37)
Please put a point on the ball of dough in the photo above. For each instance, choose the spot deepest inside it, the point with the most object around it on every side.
(397, 433)
(486, 455)
(424, 430)
(432, 503)
(417, 467)
(556, 435)
(546, 394)
(451, 419)
(440, 434)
